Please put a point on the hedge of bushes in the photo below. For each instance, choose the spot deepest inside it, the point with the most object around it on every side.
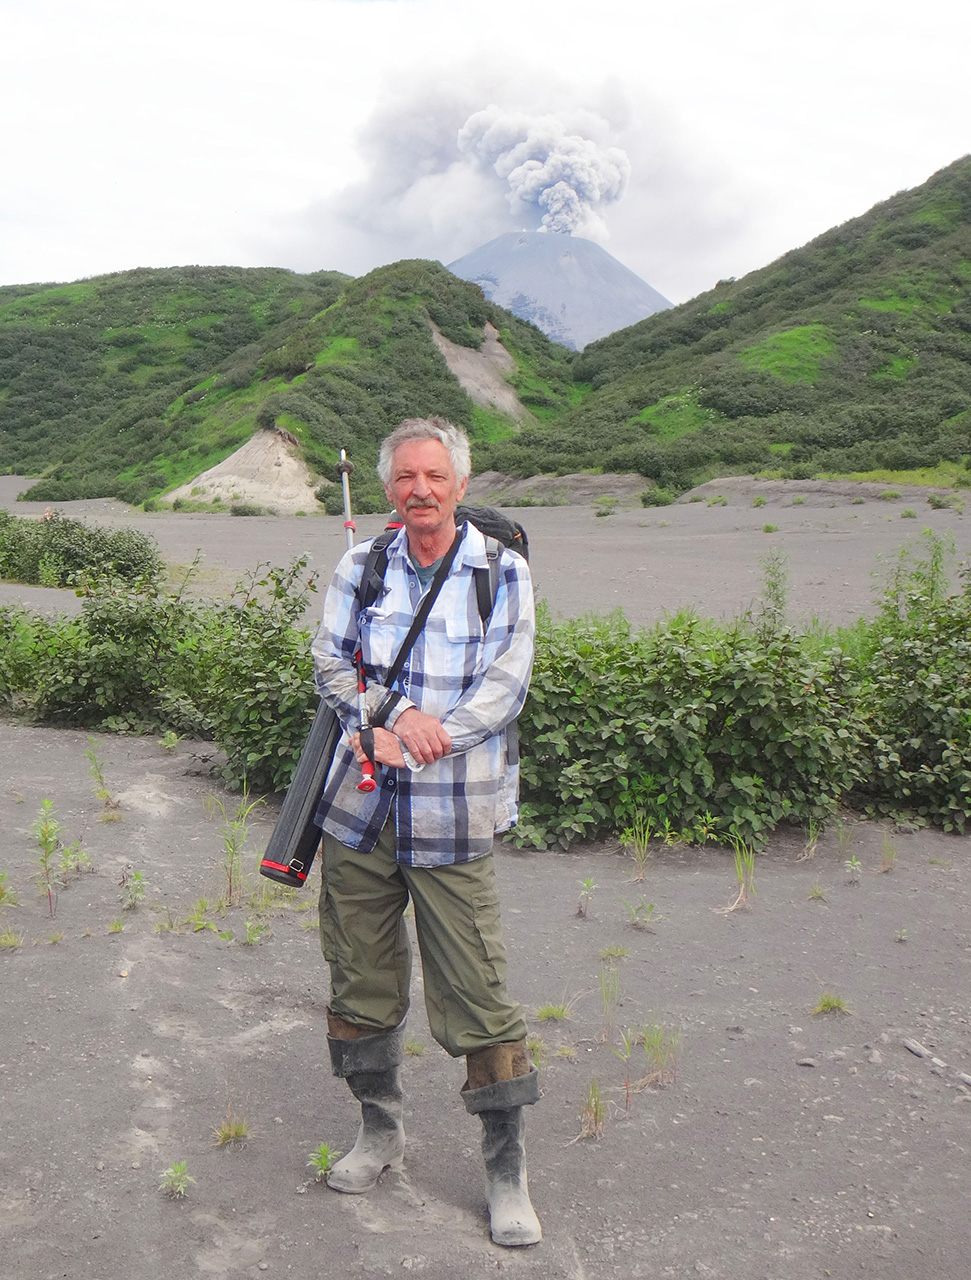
(694, 724)
(56, 551)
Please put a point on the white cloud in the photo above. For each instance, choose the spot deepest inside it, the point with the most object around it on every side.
(324, 133)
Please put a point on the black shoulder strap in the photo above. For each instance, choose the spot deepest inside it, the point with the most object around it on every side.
(375, 567)
(487, 581)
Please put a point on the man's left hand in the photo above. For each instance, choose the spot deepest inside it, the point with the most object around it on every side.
(387, 749)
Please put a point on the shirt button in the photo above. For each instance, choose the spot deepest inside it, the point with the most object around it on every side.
(391, 784)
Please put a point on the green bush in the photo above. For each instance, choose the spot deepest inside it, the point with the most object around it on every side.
(687, 719)
(733, 728)
(657, 497)
(916, 700)
(56, 551)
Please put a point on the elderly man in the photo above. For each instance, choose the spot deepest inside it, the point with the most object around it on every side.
(447, 778)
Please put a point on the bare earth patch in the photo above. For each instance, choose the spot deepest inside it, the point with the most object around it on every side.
(787, 1144)
(267, 470)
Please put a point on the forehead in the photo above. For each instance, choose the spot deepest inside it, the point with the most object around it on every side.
(422, 455)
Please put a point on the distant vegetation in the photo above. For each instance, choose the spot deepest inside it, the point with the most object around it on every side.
(58, 552)
(703, 730)
(850, 355)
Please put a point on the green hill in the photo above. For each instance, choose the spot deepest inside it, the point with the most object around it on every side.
(851, 353)
(110, 354)
(354, 358)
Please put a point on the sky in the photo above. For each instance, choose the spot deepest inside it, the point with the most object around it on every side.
(695, 140)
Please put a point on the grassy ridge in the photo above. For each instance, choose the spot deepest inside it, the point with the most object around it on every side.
(183, 374)
(850, 354)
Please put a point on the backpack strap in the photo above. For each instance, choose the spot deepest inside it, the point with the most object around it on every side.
(375, 567)
(487, 581)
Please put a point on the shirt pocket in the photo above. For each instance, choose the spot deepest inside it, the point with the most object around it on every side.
(378, 637)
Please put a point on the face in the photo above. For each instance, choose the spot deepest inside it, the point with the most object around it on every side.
(423, 487)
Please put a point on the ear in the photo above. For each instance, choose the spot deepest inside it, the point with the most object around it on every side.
(462, 488)
(388, 494)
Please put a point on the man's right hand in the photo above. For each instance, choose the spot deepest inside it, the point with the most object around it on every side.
(423, 735)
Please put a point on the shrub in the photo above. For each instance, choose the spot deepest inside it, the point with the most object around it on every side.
(657, 497)
(669, 724)
(56, 551)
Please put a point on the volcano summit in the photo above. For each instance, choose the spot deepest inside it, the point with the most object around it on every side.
(570, 288)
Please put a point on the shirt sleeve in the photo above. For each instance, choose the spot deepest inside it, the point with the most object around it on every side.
(496, 695)
(336, 642)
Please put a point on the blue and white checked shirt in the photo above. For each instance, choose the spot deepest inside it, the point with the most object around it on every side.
(475, 684)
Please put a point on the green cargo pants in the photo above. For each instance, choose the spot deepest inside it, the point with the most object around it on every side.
(365, 942)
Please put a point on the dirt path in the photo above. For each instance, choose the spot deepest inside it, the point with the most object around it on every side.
(648, 562)
(790, 1146)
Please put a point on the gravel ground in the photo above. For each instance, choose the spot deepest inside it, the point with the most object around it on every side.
(787, 1146)
(836, 538)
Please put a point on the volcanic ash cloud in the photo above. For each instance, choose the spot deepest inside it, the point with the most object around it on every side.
(559, 178)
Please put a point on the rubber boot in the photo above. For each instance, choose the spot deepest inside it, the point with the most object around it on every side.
(369, 1062)
(500, 1083)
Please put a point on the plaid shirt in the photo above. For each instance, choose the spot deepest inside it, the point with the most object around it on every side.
(448, 811)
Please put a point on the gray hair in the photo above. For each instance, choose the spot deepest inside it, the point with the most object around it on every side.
(453, 438)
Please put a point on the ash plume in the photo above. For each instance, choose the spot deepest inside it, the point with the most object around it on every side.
(563, 177)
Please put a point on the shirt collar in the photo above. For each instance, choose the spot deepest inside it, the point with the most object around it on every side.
(472, 548)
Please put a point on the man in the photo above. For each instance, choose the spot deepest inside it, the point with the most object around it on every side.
(447, 783)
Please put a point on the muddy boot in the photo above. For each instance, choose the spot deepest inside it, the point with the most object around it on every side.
(369, 1063)
(500, 1083)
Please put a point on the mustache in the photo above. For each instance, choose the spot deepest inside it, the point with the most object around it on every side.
(421, 504)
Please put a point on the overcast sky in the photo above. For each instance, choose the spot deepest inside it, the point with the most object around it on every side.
(695, 139)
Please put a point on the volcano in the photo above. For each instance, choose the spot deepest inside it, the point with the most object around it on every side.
(568, 287)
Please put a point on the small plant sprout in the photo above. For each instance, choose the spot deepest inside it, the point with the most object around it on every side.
(567, 1051)
(10, 940)
(888, 853)
(7, 896)
(744, 854)
(132, 884)
(537, 1049)
(74, 860)
(587, 887)
(255, 932)
(55, 938)
(854, 868)
(830, 1003)
(552, 1013)
(198, 917)
(593, 1113)
(109, 806)
(624, 1051)
(813, 831)
(234, 832)
(176, 1180)
(636, 840)
(322, 1160)
(116, 926)
(703, 828)
(46, 830)
(900, 935)
(661, 1050)
(232, 1132)
(414, 1048)
(640, 914)
(844, 837)
(816, 893)
(609, 998)
(614, 953)
(169, 740)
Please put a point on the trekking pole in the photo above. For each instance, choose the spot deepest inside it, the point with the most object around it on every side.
(345, 468)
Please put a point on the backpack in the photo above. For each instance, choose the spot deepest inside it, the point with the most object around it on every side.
(499, 532)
